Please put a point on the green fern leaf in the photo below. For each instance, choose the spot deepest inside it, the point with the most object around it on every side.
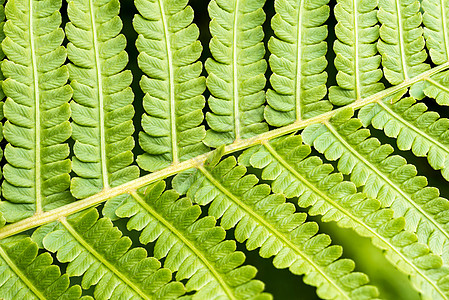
(2, 220)
(1, 135)
(402, 43)
(286, 163)
(192, 247)
(192, 210)
(96, 250)
(437, 88)
(265, 221)
(357, 61)
(102, 109)
(436, 29)
(298, 62)
(169, 50)
(415, 128)
(2, 77)
(26, 275)
(385, 177)
(37, 110)
(236, 72)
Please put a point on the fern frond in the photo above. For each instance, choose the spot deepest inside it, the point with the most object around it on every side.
(437, 87)
(2, 77)
(265, 221)
(194, 207)
(298, 62)
(385, 177)
(37, 110)
(169, 52)
(415, 128)
(1, 136)
(102, 109)
(26, 275)
(236, 73)
(193, 248)
(402, 42)
(436, 30)
(356, 59)
(285, 162)
(2, 220)
(96, 250)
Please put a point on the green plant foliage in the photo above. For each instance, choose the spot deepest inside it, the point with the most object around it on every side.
(435, 14)
(415, 128)
(385, 177)
(357, 61)
(436, 88)
(132, 172)
(26, 275)
(298, 60)
(96, 251)
(101, 110)
(401, 42)
(236, 72)
(36, 110)
(192, 247)
(264, 220)
(286, 163)
(169, 51)
(2, 77)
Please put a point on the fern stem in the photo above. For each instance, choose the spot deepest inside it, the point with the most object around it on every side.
(401, 39)
(349, 215)
(37, 117)
(445, 33)
(128, 187)
(104, 167)
(356, 51)
(298, 63)
(234, 70)
(192, 247)
(19, 273)
(172, 100)
(98, 256)
(271, 229)
(240, 145)
(96, 199)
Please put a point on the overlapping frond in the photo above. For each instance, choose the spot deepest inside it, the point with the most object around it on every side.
(2, 77)
(285, 162)
(2, 220)
(102, 109)
(96, 250)
(169, 52)
(193, 248)
(26, 275)
(402, 43)
(37, 110)
(436, 30)
(298, 61)
(375, 193)
(385, 177)
(1, 150)
(415, 128)
(437, 87)
(236, 73)
(356, 59)
(266, 221)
